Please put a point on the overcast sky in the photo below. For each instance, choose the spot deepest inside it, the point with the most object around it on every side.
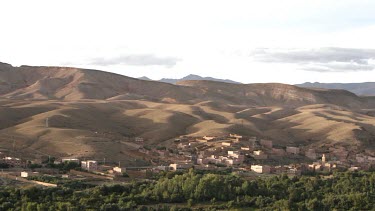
(247, 41)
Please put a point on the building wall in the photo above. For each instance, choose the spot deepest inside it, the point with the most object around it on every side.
(266, 143)
(261, 169)
(292, 150)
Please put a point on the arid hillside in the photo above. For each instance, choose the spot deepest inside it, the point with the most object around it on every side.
(92, 113)
(271, 94)
(66, 83)
(70, 84)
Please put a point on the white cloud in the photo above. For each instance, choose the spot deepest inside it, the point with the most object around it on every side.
(143, 37)
(137, 60)
(329, 59)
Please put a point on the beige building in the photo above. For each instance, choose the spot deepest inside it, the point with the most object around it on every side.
(261, 169)
(260, 155)
(227, 144)
(266, 144)
(245, 148)
(26, 174)
(231, 162)
(119, 169)
(180, 167)
(209, 138)
(292, 150)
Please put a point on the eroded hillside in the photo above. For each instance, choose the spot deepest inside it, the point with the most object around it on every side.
(91, 113)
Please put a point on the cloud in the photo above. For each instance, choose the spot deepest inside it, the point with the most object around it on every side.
(136, 60)
(320, 59)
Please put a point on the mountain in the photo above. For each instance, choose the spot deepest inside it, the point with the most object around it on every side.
(274, 94)
(91, 113)
(145, 78)
(364, 89)
(196, 77)
(66, 83)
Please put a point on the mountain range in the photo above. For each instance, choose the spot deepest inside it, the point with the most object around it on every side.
(362, 89)
(91, 113)
(190, 78)
(365, 89)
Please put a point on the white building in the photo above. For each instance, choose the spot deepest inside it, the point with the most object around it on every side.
(227, 144)
(26, 174)
(119, 169)
(138, 139)
(231, 153)
(70, 160)
(89, 165)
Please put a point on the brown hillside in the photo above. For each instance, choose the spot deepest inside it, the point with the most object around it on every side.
(98, 128)
(276, 94)
(62, 83)
(92, 113)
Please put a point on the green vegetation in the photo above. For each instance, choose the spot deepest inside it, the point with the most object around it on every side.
(194, 191)
(64, 167)
(4, 166)
(48, 179)
(161, 148)
(34, 166)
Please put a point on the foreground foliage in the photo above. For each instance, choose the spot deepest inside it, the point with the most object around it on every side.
(343, 191)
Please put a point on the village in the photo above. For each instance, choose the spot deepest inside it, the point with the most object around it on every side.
(249, 157)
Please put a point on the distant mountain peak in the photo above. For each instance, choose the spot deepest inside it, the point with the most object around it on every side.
(366, 88)
(145, 78)
(194, 77)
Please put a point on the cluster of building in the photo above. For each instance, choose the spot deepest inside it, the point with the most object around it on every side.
(88, 165)
(245, 155)
(231, 151)
(12, 161)
(259, 155)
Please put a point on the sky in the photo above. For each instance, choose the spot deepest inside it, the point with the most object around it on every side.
(247, 41)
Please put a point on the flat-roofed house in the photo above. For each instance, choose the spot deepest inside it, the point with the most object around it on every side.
(261, 169)
(89, 165)
(180, 166)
